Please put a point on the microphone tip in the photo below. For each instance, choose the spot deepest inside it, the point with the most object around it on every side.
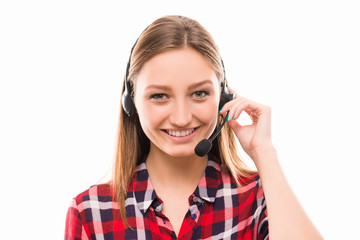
(203, 147)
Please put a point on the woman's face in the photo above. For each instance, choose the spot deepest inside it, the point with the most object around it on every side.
(176, 96)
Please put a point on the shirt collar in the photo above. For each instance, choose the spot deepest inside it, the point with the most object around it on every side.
(145, 194)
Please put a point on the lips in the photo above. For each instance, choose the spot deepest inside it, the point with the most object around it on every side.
(180, 133)
(181, 139)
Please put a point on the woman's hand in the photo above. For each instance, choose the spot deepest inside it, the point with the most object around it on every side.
(285, 215)
(255, 137)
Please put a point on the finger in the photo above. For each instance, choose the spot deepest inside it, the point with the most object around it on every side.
(252, 115)
(235, 126)
(238, 110)
(252, 108)
(227, 106)
(226, 110)
(235, 110)
(232, 91)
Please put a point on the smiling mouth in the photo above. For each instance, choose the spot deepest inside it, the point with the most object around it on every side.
(182, 133)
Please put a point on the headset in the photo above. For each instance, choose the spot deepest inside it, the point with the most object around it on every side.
(129, 107)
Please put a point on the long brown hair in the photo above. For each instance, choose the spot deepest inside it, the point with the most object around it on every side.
(166, 33)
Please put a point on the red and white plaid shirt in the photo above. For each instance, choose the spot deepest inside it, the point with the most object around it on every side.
(218, 210)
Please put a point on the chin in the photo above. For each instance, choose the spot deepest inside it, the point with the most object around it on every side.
(180, 152)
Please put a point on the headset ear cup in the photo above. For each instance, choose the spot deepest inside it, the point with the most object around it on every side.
(127, 101)
(225, 95)
(128, 106)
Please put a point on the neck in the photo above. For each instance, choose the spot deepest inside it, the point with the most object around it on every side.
(167, 171)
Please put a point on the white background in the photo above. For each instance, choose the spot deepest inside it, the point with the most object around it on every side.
(61, 68)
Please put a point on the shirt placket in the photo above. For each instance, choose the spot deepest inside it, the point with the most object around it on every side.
(191, 218)
(164, 226)
(194, 209)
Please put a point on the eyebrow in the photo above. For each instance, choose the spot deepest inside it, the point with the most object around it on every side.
(166, 88)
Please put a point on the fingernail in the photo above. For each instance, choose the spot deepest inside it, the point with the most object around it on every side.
(220, 110)
(233, 116)
(227, 118)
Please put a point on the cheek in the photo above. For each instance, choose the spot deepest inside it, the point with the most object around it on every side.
(207, 113)
(150, 117)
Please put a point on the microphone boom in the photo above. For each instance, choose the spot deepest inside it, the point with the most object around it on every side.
(204, 146)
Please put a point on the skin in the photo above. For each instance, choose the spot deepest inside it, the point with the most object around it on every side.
(175, 169)
(287, 219)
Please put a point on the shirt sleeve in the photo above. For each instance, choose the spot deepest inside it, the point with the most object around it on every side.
(74, 229)
(262, 226)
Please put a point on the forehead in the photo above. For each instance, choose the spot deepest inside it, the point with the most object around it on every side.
(177, 69)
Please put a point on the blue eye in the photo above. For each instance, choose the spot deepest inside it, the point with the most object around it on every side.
(158, 96)
(162, 96)
(201, 94)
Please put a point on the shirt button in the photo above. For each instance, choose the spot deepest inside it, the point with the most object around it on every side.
(159, 208)
(193, 216)
(195, 199)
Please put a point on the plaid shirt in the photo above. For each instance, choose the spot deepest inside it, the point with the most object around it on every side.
(218, 209)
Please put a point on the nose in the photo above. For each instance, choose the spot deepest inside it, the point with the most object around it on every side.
(180, 115)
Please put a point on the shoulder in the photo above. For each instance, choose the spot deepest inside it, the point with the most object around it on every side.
(247, 178)
(99, 196)
(245, 199)
(249, 185)
(90, 210)
(252, 179)
(94, 203)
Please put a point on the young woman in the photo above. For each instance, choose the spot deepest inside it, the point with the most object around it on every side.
(174, 95)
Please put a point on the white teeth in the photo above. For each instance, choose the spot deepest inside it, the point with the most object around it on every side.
(180, 133)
